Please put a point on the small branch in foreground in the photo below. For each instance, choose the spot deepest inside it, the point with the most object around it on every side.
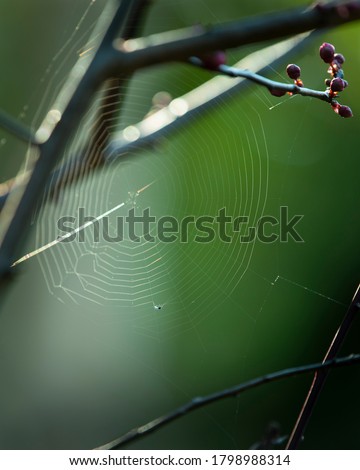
(216, 61)
(200, 402)
(293, 89)
(321, 375)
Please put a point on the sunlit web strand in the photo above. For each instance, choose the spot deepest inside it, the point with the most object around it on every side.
(76, 230)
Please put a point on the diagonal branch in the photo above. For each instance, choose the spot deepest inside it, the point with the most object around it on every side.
(181, 44)
(270, 84)
(92, 156)
(200, 402)
(321, 375)
(115, 87)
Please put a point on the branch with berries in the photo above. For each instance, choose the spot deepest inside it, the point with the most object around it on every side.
(217, 62)
(153, 128)
(337, 84)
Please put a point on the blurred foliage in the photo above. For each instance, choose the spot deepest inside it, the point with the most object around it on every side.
(75, 376)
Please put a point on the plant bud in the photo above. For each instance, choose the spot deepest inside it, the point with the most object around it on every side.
(293, 71)
(327, 52)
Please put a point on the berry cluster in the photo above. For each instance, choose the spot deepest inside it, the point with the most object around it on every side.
(336, 84)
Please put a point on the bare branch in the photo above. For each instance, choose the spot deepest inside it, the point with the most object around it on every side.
(200, 402)
(92, 156)
(115, 87)
(321, 375)
(267, 83)
(181, 44)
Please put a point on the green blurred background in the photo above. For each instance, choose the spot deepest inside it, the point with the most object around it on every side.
(76, 374)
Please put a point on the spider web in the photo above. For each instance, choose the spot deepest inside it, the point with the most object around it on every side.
(214, 302)
(138, 277)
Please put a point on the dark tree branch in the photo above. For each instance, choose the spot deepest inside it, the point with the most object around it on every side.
(115, 87)
(321, 375)
(108, 111)
(181, 44)
(200, 402)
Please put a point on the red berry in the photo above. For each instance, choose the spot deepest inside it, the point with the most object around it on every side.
(337, 84)
(340, 59)
(276, 92)
(213, 60)
(293, 71)
(345, 112)
(327, 52)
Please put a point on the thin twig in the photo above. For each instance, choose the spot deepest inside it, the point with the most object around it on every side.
(291, 88)
(321, 376)
(200, 402)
